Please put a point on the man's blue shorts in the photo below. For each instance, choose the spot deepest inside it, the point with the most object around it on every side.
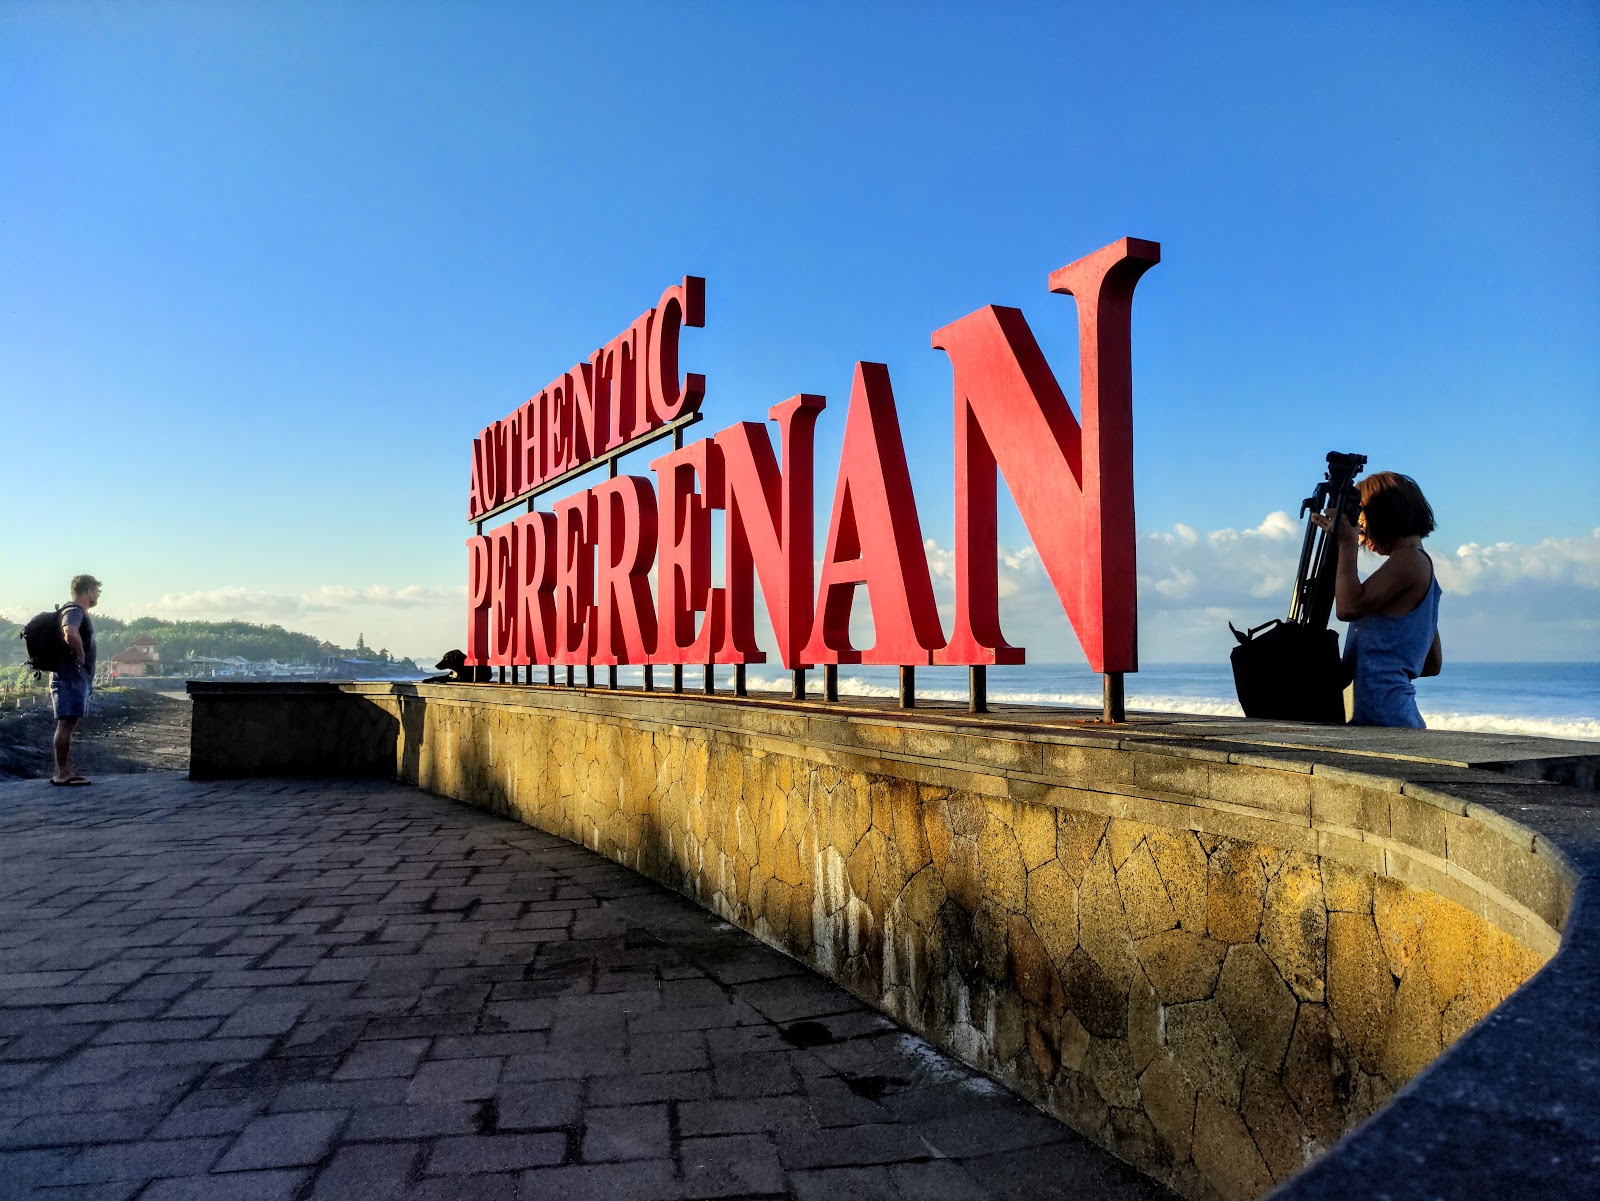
(69, 691)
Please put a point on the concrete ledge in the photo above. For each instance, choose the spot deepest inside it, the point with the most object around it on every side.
(1215, 946)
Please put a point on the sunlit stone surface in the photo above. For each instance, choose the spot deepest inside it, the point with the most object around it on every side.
(1211, 957)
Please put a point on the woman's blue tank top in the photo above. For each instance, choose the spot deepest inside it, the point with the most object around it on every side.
(1387, 653)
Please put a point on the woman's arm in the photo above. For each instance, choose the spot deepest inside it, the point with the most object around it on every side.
(1353, 599)
(1434, 663)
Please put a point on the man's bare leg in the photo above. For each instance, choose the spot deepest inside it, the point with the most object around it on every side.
(63, 748)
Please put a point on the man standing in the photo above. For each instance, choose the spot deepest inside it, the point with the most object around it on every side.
(74, 677)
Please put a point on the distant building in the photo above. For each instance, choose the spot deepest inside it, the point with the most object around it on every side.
(139, 658)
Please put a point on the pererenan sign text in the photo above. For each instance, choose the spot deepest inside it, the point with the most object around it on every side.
(572, 586)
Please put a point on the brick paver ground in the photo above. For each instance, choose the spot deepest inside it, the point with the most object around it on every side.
(349, 989)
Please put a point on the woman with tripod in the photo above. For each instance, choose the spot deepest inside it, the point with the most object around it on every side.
(1394, 614)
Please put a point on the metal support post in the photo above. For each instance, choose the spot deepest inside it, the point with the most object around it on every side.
(1115, 709)
(710, 680)
(677, 668)
(570, 682)
(797, 690)
(611, 675)
(550, 674)
(908, 687)
(649, 678)
(830, 681)
(739, 688)
(978, 689)
(588, 675)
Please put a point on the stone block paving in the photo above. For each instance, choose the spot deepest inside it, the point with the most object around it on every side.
(310, 990)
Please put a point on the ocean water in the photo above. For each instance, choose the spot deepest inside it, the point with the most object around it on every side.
(1560, 700)
(1551, 700)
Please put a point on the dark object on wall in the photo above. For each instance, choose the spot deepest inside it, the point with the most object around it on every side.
(455, 662)
(1290, 670)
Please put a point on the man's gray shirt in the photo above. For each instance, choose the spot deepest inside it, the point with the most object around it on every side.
(76, 617)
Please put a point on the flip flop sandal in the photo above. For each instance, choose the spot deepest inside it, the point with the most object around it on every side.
(72, 781)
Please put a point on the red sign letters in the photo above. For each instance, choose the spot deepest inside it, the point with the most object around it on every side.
(627, 388)
(572, 586)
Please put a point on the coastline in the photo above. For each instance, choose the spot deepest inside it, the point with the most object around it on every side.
(1545, 700)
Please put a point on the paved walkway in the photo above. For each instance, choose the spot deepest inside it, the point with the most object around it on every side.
(350, 990)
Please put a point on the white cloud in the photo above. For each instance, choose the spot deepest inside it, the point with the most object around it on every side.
(1502, 601)
(1182, 570)
(236, 603)
(1555, 563)
(1505, 601)
(415, 619)
(1509, 600)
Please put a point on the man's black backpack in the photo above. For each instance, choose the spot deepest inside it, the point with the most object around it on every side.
(46, 644)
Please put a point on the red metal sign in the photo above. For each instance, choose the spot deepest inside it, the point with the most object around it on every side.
(571, 587)
(628, 387)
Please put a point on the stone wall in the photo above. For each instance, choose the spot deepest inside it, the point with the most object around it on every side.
(1212, 961)
(300, 729)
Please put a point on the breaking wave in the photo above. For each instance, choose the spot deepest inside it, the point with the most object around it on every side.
(1584, 728)
(1203, 706)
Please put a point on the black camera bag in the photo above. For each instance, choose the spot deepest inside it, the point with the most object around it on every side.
(1290, 671)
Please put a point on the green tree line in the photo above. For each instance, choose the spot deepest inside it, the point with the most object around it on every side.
(179, 640)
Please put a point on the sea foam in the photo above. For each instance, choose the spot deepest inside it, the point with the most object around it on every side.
(1585, 728)
(1202, 706)
(1497, 723)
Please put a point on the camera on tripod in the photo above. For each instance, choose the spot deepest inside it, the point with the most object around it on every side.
(1312, 602)
(1339, 482)
(1290, 670)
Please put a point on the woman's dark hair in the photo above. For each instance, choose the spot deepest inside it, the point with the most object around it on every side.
(1394, 508)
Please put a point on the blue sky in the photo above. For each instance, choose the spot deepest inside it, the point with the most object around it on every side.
(265, 269)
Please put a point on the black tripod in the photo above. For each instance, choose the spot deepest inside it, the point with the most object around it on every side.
(1290, 670)
(1312, 601)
